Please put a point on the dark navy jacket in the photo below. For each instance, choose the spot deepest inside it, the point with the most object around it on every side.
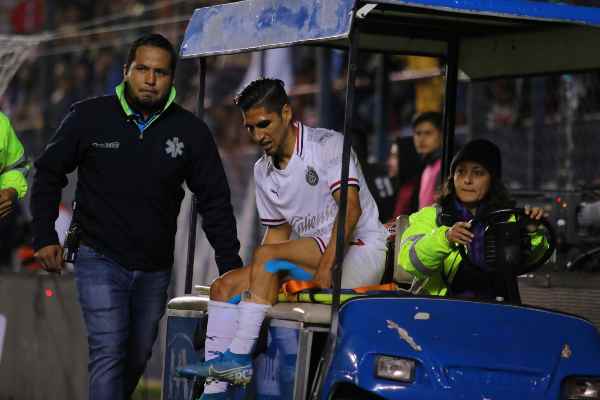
(129, 187)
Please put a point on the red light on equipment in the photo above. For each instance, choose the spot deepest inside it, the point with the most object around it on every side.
(49, 292)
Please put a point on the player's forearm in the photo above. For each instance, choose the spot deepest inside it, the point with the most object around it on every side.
(328, 258)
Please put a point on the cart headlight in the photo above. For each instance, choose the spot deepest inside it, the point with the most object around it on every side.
(394, 368)
(581, 388)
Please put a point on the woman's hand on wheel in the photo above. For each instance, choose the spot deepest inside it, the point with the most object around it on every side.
(460, 233)
(535, 213)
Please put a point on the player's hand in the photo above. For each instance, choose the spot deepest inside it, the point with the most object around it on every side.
(51, 258)
(460, 233)
(323, 278)
(7, 201)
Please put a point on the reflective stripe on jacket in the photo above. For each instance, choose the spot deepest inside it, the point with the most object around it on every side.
(424, 249)
(14, 166)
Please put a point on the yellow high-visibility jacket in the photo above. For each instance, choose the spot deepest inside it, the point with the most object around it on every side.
(14, 166)
(425, 252)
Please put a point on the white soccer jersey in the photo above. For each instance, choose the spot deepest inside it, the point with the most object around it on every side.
(301, 194)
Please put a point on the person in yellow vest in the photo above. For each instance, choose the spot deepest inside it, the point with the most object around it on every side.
(14, 168)
(429, 249)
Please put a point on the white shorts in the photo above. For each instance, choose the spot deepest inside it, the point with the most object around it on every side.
(363, 266)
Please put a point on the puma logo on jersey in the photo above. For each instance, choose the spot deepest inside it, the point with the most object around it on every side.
(321, 136)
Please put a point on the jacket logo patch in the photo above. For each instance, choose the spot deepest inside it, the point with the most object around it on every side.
(111, 145)
(174, 147)
(311, 176)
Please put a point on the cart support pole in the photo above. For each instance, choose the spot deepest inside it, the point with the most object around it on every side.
(189, 272)
(382, 109)
(324, 100)
(450, 106)
(342, 212)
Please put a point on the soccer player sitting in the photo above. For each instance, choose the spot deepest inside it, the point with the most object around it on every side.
(297, 182)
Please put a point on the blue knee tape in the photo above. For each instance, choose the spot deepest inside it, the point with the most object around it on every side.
(294, 271)
(235, 299)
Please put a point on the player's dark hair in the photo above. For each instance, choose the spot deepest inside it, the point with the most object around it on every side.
(263, 92)
(430, 116)
(154, 40)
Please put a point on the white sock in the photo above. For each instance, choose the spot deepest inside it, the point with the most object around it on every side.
(220, 330)
(250, 319)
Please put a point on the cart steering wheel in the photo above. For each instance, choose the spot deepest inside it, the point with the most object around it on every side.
(526, 224)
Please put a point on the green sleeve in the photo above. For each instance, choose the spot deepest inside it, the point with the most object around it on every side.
(424, 246)
(14, 166)
(539, 245)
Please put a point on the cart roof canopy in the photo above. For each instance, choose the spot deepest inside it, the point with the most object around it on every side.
(496, 38)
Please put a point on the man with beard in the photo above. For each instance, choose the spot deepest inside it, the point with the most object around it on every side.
(133, 151)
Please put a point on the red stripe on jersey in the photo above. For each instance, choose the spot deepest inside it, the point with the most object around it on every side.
(273, 222)
(320, 243)
(332, 191)
(350, 181)
(299, 137)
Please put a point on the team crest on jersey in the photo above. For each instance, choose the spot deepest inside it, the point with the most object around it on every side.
(311, 176)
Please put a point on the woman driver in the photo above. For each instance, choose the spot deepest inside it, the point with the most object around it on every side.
(429, 249)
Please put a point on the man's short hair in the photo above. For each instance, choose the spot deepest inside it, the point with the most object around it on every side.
(435, 118)
(263, 92)
(154, 40)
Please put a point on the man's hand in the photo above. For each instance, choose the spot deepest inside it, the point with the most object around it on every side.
(51, 258)
(323, 277)
(7, 201)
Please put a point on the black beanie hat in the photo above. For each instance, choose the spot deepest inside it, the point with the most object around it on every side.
(481, 151)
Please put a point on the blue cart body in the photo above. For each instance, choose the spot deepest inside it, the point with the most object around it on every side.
(462, 349)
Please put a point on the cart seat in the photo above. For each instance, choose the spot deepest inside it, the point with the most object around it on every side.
(310, 313)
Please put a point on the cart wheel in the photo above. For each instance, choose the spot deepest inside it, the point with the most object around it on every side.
(351, 392)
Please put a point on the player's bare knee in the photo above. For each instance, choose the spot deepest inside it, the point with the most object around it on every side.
(221, 288)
